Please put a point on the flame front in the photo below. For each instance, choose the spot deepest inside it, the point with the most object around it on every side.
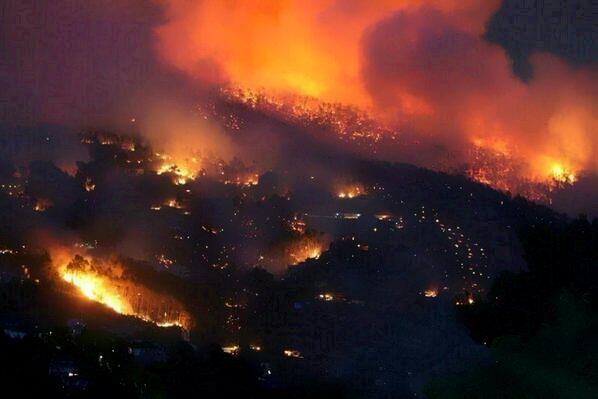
(350, 191)
(562, 174)
(305, 249)
(182, 170)
(106, 285)
(95, 288)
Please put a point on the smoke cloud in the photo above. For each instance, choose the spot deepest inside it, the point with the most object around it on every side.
(425, 67)
(423, 70)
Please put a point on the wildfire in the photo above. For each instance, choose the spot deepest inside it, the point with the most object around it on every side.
(103, 138)
(42, 205)
(247, 181)
(332, 75)
(383, 217)
(231, 349)
(97, 289)
(492, 161)
(304, 250)
(173, 203)
(297, 225)
(467, 300)
(164, 261)
(562, 175)
(182, 171)
(351, 191)
(105, 283)
(327, 297)
(89, 185)
(292, 353)
(535, 178)
(348, 123)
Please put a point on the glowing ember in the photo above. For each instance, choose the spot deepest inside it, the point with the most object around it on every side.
(89, 185)
(304, 250)
(252, 180)
(467, 301)
(105, 283)
(164, 261)
(42, 205)
(327, 297)
(430, 293)
(231, 350)
(173, 203)
(246, 180)
(383, 216)
(297, 225)
(292, 353)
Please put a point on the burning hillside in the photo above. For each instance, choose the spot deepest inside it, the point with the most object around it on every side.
(106, 282)
(181, 171)
(349, 191)
(461, 96)
(497, 166)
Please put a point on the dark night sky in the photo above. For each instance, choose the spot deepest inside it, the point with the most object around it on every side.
(566, 28)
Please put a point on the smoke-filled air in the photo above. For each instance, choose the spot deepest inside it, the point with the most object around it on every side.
(419, 67)
(298, 198)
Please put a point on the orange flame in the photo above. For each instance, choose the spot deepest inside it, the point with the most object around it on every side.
(106, 284)
(350, 191)
(182, 170)
(305, 249)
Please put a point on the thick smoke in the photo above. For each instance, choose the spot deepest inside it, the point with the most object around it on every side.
(286, 46)
(424, 70)
(425, 66)
(175, 129)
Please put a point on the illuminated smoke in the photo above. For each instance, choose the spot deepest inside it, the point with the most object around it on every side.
(423, 66)
(308, 48)
(184, 141)
(420, 66)
(427, 72)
